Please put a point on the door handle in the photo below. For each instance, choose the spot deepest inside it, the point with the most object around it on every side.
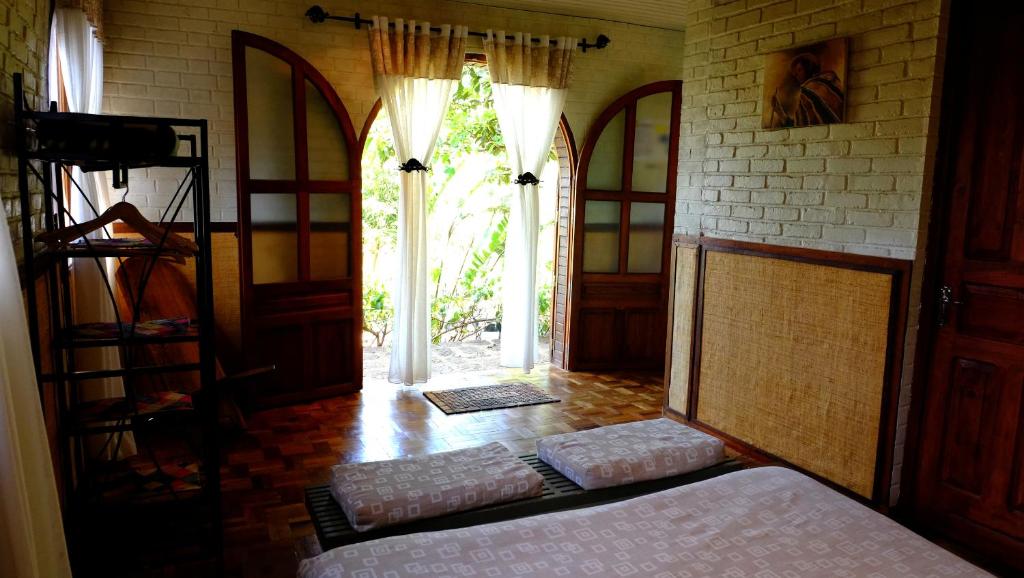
(945, 301)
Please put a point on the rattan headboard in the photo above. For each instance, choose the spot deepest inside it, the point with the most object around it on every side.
(796, 355)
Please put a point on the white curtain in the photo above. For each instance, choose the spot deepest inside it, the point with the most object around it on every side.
(31, 534)
(415, 73)
(76, 69)
(529, 81)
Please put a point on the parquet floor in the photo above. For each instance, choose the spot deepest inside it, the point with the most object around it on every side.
(284, 450)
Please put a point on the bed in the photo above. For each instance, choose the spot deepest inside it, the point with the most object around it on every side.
(766, 521)
(333, 529)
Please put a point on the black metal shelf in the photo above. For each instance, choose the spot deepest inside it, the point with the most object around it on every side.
(178, 330)
(166, 408)
(48, 144)
(146, 481)
(125, 253)
(86, 375)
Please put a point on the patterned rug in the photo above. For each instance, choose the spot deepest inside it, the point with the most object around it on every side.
(497, 396)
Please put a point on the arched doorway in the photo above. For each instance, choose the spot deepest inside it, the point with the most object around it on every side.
(299, 207)
(623, 214)
(466, 218)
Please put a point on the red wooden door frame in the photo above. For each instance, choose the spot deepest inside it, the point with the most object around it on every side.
(581, 194)
(947, 357)
(324, 294)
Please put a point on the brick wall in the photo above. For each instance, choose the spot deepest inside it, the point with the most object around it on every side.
(863, 186)
(855, 187)
(174, 59)
(24, 36)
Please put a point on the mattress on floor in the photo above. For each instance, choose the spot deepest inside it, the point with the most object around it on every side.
(378, 494)
(631, 452)
(760, 522)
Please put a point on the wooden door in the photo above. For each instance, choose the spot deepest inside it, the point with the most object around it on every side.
(969, 483)
(623, 212)
(299, 214)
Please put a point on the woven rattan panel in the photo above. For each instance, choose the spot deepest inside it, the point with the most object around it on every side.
(682, 326)
(793, 361)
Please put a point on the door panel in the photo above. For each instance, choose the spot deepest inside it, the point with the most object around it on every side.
(623, 212)
(967, 482)
(299, 216)
(602, 344)
(973, 399)
(644, 337)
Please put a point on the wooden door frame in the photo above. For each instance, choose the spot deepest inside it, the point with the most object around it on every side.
(575, 266)
(984, 545)
(302, 71)
(572, 155)
(935, 254)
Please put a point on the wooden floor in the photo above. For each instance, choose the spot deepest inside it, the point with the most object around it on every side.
(284, 450)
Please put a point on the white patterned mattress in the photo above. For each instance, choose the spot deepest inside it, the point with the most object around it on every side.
(378, 494)
(627, 453)
(760, 522)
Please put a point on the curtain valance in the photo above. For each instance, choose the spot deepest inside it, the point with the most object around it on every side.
(521, 61)
(406, 51)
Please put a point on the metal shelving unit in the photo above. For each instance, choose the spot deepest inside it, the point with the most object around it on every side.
(158, 486)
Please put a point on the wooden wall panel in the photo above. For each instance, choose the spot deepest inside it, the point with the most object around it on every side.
(793, 361)
(684, 291)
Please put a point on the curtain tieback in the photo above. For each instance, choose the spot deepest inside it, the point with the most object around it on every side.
(526, 179)
(412, 165)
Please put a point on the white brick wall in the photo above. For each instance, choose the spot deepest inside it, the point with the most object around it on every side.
(859, 187)
(174, 58)
(854, 187)
(24, 34)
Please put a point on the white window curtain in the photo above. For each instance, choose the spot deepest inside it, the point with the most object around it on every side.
(31, 535)
(415, 73)
(76, 74)
(529, 81)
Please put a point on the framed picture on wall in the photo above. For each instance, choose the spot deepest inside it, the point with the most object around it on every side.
(805, 86)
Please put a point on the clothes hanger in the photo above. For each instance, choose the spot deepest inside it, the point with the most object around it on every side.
(128, 214)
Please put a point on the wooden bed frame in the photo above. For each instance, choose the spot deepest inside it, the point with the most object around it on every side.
(560, 493)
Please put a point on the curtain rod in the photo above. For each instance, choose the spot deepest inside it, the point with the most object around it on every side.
(317, 14)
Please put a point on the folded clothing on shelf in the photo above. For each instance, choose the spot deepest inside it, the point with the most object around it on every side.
(151, 328)
(114, 408)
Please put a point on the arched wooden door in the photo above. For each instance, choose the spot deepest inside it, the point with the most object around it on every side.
(623, 213)
(299, 215)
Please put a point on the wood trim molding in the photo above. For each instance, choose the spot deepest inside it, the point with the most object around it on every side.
(185, 227)
(899, 269)
(955, 75)
(680, 240)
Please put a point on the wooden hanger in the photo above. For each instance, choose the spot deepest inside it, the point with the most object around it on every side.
(129, 215)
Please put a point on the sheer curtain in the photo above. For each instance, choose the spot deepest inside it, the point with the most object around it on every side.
(415, 73)
(31, 534)
(529, 81)
(76, 78)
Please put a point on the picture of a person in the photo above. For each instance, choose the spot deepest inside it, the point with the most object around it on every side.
(808, 96)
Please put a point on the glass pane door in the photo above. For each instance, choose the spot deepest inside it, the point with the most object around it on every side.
(275, 238)
(271, 123)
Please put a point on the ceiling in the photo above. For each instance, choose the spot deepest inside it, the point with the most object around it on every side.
(657, 13)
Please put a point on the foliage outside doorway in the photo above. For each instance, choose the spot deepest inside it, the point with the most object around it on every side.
(468, 211)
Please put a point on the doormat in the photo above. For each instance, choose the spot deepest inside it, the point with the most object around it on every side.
(496, 396)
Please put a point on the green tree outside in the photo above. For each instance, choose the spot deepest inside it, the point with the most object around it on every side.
(468, 212)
